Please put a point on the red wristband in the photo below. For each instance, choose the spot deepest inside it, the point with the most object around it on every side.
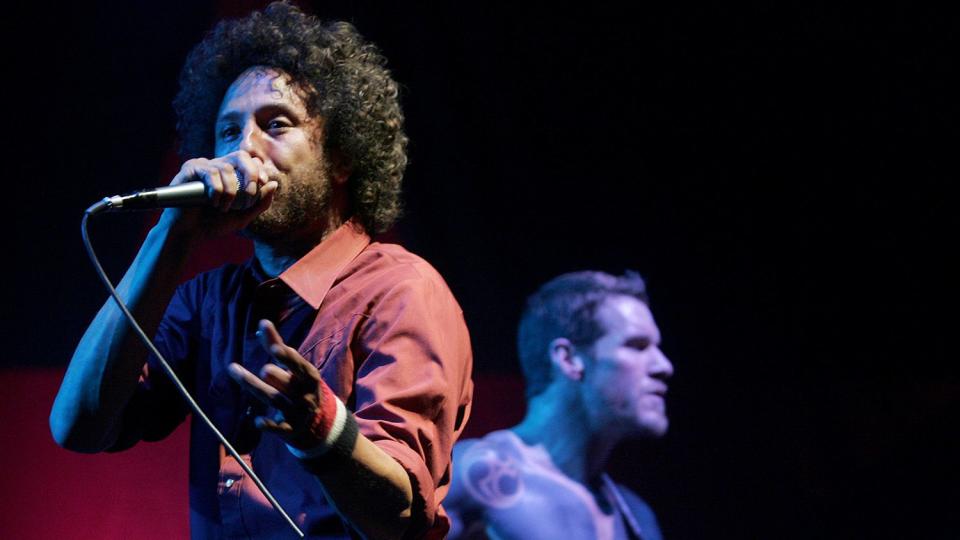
(323, 420)
(332, 425)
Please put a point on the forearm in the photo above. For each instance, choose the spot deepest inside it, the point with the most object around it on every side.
(105, 368)
(369, 489)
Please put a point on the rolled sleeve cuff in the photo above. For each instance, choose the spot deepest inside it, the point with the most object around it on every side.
(426, 519)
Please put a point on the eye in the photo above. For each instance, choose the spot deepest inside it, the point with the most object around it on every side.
(639, 343)
(279, 123)
(228, 132)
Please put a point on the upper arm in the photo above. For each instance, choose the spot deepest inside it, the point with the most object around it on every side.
(488, 486)
(412, 389)
(462, 508)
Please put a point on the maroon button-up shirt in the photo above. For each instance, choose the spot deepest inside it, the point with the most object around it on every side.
(387, 336)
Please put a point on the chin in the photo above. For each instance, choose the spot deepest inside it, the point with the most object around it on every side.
(261, 231)
(272, 226)
(653, 426)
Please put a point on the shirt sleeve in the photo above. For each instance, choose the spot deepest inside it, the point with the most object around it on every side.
(157, 408)
(413, 389)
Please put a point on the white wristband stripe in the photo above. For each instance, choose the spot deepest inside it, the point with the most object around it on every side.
(339, 421)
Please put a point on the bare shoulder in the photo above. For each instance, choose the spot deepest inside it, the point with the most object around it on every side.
(488, 471)
(508, 489)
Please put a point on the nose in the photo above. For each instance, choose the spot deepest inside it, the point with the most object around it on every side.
(661, 367)
(252, 141)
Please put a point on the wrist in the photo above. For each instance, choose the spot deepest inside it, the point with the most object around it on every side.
(339, 439)
(332, 426)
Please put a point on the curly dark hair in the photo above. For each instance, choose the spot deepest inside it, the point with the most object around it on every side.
(566, 306)
(345, 81)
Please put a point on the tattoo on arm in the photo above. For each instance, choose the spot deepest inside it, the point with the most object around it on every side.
(492, 478)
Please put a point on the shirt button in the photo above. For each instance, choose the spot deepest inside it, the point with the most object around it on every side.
(229, 482)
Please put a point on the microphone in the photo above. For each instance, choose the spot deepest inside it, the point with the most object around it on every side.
(182, 195)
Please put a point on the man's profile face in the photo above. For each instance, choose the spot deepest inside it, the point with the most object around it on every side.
(626, 376)
(265, 115)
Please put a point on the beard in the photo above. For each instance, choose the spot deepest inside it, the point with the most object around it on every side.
(300, 203)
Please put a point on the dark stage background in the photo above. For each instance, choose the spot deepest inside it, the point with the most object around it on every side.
(780, 173)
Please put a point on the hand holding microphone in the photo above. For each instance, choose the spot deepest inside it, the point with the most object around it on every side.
(231, 182)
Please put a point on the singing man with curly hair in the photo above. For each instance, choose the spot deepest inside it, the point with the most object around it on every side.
(339, 367)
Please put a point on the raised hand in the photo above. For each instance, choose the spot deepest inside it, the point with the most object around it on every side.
(237, 182)
(305, 405)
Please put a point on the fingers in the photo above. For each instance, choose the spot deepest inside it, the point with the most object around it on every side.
(239, 174)
(268, 334)
(226, 177)
(276, 376)
(261, 204)
(252, 175)
(270, 389)
(288, 356)
(275, 385)
(277, 425)
(265, 172)
(216, 175)
(256, 179)
(267, 193)
(260, 389)
(230, 184)
(294, 392)
(202, 170)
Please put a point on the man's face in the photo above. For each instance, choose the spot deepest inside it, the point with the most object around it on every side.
(626, 373)
(265, 115)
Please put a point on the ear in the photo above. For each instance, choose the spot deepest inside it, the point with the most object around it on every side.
(340, 167)
(563, 356)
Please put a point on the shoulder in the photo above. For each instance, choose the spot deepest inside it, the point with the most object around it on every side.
(404, 310)
(389, 281)
(642, 512)
(501, 441)
(394, 266)
(488, 471)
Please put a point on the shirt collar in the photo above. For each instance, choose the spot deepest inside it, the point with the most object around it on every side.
(314, 273)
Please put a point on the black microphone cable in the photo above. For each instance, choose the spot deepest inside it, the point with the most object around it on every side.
(173, 376)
